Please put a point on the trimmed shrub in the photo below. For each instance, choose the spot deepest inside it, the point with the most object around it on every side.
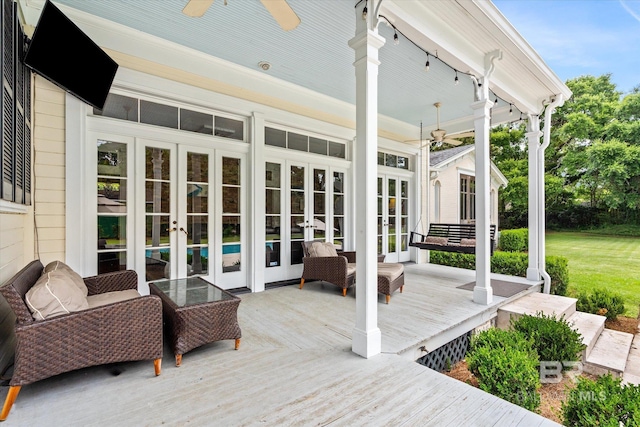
(602, 402)
(506, 366)
(558, 269)
(514, 240)
(602, 302)
(553, 339)
(510, 263)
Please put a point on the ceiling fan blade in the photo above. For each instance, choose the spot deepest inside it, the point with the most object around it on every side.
(464, 134)
(453, 142)
(282, 13)
(197, 8)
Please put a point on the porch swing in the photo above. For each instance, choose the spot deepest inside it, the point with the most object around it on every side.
(460, 238)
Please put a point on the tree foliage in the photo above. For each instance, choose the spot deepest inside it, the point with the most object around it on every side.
(592, 162)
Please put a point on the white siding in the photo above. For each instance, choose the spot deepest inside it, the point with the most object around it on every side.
(49, 170)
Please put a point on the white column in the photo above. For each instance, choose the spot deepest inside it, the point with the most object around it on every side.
(367, 340)
(257, 203)
(482, 292)
(533, 137)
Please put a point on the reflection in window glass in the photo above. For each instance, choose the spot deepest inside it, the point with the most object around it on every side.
(195, 121)
(119, 107)
(112, 195)
(380, 158)
(391, 160)
(112, 158)
(158, 114)
(275, 137)
(337, 150)
(297, 141)
(229, 128)
(318, 146)
(112, 232)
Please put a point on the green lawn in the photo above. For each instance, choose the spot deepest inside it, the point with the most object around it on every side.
(598, 261)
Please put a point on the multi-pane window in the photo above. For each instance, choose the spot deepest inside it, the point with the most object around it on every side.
(467, 198)
(299, 142)
(15, 106)
(153, 113)
(393, 160)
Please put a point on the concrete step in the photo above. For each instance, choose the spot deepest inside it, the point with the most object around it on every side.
(609, 354)
(534, 303)
(590, 327)
(631, 373)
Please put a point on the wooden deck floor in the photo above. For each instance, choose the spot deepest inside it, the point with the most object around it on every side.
(294, 367)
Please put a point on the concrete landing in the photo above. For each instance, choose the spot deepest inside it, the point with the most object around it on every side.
(535, 303)
(609, 354)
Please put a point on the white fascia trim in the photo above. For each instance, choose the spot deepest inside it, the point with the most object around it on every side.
(556, 85)
(499, 176)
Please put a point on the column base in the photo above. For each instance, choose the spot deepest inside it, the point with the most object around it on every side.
(366, 343)
(482, 295)
(533, 274)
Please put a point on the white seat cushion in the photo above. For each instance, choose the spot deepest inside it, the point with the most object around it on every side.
(111, 297)
(390, 270)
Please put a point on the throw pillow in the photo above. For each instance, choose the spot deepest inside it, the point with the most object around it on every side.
(467, 242)
(322, 249)
(73, 276)
(53, 295)
(431, 240)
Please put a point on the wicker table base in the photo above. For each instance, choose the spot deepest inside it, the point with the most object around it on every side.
(196, 312)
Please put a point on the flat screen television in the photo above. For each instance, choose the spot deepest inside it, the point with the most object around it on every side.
(63, 54)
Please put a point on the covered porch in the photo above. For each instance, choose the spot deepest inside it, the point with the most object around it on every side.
(295, 367)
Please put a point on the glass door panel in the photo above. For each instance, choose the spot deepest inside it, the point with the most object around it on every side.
(393, 218)
(273, 215)
(158, 224)
(319, 225)
(231, 215)
(112, 179)
(298, 222)
(197, 223)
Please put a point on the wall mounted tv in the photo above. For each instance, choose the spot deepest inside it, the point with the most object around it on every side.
(63, 54)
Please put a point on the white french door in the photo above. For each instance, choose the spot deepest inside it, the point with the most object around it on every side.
(304, 202)
(393, 217)
(170, 210)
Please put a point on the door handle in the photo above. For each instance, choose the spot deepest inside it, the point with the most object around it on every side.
(184, 231)
(173, 228)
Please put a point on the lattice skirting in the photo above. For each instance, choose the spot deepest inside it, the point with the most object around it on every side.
(447, 355)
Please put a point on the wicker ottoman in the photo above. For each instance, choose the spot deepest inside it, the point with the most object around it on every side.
(390, 278)
(197, 312)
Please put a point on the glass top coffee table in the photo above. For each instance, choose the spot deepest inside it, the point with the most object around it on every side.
(196, 312)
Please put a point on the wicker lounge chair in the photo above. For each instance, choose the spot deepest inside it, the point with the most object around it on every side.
(339, 270)
(121, 331)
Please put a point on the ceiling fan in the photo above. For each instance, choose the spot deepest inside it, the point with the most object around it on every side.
(440, 135)
(279, 9)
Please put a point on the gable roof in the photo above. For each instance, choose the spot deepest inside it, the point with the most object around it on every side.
(441, 159)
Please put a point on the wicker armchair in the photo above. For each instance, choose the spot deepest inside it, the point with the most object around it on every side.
(339, 270)
(122, 331)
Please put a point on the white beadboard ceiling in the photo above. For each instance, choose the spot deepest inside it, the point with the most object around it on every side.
(316, 54)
